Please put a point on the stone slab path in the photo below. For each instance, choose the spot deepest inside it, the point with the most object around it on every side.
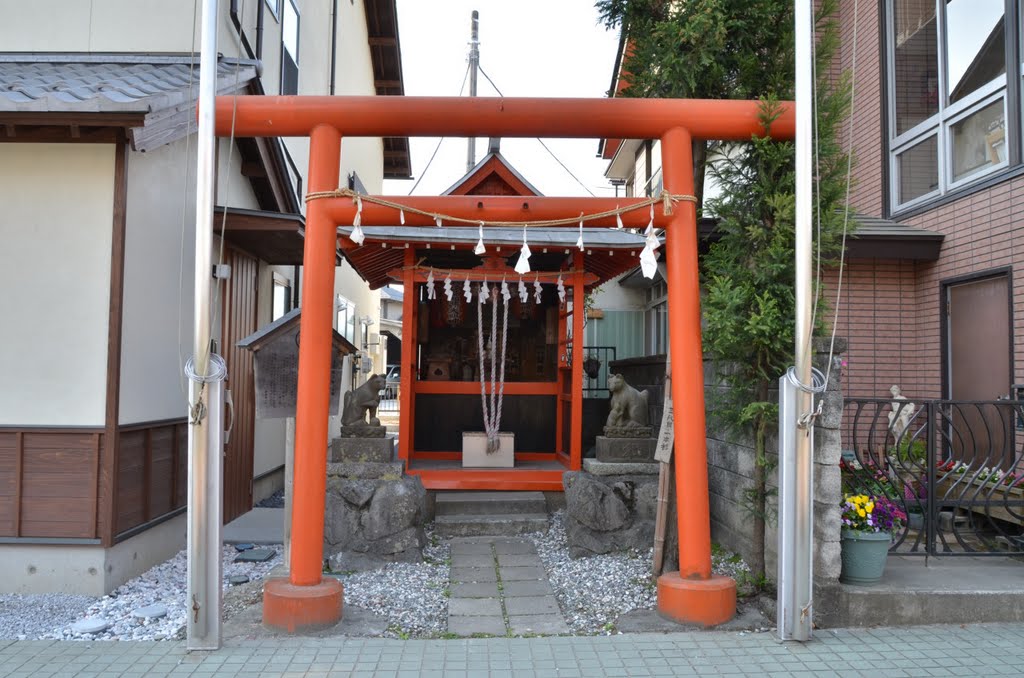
(499, 587)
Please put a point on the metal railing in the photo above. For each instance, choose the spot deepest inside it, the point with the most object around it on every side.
(596, 360)
(389, 397)
(955, 467)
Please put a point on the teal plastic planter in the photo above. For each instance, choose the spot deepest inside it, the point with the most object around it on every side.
(864, 555)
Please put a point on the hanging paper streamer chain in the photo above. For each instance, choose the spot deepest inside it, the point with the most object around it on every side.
(357, 235)
(431, 293)
(480, 249)
(579, 240)
(505, 293)
(485, 292)
(561, 289)
(649, 256)
(524, 293)
(536, 289)
(448, 287)
(467, 291)
(523, 265)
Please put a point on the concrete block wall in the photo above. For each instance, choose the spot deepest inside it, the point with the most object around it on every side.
(731, 472)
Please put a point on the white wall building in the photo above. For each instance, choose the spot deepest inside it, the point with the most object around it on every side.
(97, 188)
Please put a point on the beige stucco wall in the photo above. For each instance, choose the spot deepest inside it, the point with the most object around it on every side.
(158, 281)
(55, 222)
(147, 26)
(159, 274)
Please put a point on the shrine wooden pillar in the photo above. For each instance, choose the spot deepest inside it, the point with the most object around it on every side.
(407, 375)
(693, 594)
(576, 385)
(305, 599)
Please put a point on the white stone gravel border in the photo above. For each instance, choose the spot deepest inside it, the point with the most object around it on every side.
(594, 591)
(412, 597)
(57, 616)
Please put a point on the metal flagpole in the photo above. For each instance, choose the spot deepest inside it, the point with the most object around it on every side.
(474, 64)
(796, 482)
(206, 373)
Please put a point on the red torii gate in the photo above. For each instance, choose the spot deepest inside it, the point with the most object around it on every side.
(305, 598)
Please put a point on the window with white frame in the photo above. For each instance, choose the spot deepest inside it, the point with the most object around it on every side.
(346, 318)
(947, 69)
(289, 47)
(282, 296)
(275, 7)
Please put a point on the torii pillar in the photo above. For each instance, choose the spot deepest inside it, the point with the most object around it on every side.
(693, 595)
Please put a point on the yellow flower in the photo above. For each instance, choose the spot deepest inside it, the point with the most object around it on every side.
(861, 512)
(870, 507)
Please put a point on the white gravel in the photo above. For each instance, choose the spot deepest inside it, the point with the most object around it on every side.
(413, 597)
(594, 591)
(50, 616)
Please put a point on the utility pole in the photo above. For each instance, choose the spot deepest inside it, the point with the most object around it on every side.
(474, 66)
(796, 388)
(206, 373)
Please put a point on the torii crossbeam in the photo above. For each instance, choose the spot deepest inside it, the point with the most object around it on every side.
(305, 598)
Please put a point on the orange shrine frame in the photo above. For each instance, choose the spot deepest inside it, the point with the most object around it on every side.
(693, 594)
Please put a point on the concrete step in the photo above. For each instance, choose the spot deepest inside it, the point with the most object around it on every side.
(488, 503)
(499, 525)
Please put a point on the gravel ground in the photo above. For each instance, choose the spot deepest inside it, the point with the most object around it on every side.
(593, 592)
(51, 616)
(413, 597)
(275, 500)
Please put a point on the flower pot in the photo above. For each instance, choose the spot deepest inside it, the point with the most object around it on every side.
(863, 556)
(915, 520)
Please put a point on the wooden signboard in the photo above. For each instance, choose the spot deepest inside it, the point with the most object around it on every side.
(666, 436)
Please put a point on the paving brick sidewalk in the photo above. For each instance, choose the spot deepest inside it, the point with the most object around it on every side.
(977, 650)
(499, 586)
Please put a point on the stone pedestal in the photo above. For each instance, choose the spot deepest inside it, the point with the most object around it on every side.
(475, 455)
(373, 515)
(609, 513)
(625, 449)
(378, 450)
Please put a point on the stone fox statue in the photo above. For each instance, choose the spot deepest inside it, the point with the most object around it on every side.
(628, 405)
(363, 399)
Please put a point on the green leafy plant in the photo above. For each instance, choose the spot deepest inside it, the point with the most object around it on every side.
(743, 49)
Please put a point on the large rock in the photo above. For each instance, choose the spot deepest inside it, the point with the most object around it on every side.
(395, 506)
(370, 521)
(595, 504)
(609, 513)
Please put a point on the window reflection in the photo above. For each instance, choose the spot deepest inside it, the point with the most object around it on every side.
(918, 170)
(975, 45)
(915, 71)
(979, 141)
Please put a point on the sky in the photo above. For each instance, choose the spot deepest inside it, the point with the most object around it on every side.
(529, 48)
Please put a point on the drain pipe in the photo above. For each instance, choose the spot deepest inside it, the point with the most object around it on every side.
(334, 42)
(237, 21)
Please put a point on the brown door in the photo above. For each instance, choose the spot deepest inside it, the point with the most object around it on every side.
(979, 369)
(238, 322)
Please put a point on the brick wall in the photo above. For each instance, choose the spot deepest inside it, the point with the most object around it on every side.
(890, 309)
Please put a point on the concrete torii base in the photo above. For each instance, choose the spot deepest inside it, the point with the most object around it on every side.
(292, 608)
(707, 602)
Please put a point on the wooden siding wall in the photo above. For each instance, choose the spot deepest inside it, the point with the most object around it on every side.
(152, 472)
(49, 482)
(50, 479)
